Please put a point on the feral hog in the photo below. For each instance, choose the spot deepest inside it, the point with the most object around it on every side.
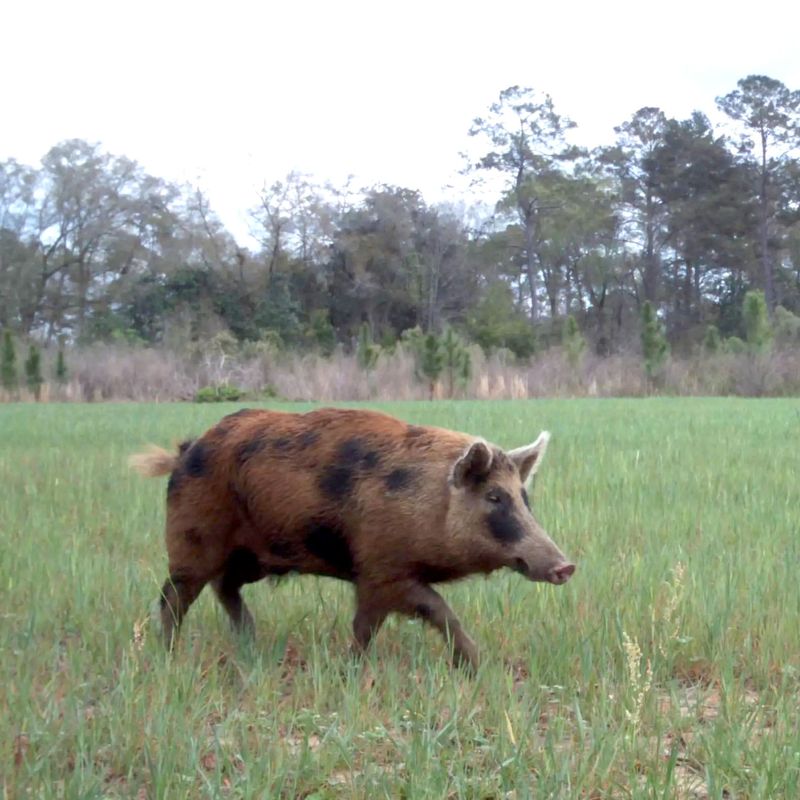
(356, 495)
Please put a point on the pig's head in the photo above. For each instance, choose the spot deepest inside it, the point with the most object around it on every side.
(490, 514)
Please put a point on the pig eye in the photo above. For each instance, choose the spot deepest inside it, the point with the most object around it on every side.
(493, 497)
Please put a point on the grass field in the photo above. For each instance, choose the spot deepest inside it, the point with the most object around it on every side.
(668, 667)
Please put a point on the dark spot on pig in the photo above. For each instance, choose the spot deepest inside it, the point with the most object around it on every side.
(184, 446)
(282, 549)
(246, 450)
(414, 431)
(428, 573)
(338, 479)
(423, 610)
(282, 444)
(306, 439)
(174, 482)
(327, 541)
(350, 451)
(526, 499)
(336, 482)
(503, 522)
(242, 566)
(398, 479)
(196, 460)
(370, 460)
(279, 571)
(242, 412)
(193, 537)
(354, 453)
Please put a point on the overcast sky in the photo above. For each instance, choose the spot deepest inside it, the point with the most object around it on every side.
(230, 95)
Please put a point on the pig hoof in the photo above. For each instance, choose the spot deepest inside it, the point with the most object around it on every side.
(466, 660)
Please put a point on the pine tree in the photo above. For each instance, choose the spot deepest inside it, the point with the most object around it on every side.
(655, 347)
(33, 372)
(367, 351)
(61, 367)
(8, 364)
(321, 332)
(756, 322)
(465, 367)
(455, 360)
(712, 341)
(432, 361)
(573, 341)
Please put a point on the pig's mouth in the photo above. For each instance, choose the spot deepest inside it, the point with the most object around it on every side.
(558, 574)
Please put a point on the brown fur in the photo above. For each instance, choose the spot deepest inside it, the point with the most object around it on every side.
(356, 495)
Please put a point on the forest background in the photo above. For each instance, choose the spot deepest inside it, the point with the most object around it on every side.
(666, 262)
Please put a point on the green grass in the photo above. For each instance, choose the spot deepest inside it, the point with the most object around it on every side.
(561, 706)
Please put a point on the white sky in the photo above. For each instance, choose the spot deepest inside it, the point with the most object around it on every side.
(230, 95)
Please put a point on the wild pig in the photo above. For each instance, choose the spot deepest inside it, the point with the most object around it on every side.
(351, 494)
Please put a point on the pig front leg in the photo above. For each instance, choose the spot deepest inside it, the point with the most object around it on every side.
(375, 602)
(369, 617)
(426, 603)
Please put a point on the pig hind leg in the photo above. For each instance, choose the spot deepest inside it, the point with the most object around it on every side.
(241, 567)
(231, 600)
(178, 593)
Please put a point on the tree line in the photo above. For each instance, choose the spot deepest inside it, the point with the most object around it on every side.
(676, 214)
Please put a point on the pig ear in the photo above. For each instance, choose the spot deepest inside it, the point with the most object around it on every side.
(474, 465)
(529, 458)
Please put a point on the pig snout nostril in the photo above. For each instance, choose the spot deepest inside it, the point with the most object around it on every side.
(561, 573)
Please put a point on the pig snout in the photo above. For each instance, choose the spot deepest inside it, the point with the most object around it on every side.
(558, 574)
(561, 573)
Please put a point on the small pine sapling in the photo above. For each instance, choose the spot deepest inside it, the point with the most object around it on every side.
(8, 363)
(61, 367)
(756, 322)
(573, 341)
(367, 351)
(655, 347)
(33, 372)
(431, 362)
